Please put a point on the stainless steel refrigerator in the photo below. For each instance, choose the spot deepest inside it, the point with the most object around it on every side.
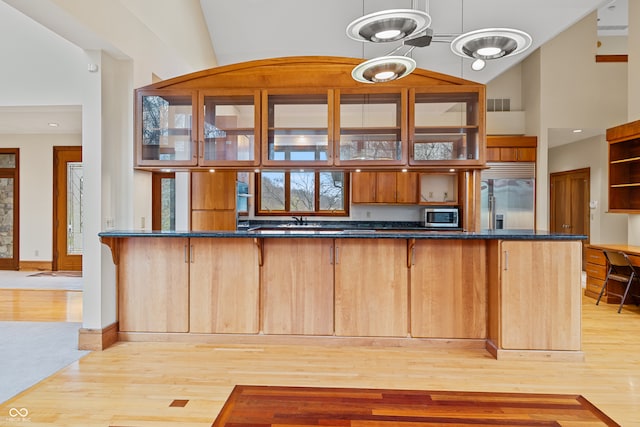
(507, 194)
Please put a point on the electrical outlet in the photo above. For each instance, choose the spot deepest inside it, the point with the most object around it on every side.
(446, 196)
(37, 253)
(430, 195)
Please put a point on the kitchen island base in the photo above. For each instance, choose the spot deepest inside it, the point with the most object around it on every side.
(517, 296)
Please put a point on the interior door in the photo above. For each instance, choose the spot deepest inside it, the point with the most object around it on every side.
(9, 209)
(570, 193)
(67, 208)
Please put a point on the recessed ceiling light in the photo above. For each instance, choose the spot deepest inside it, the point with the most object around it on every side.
(54, 124)
(577, 130)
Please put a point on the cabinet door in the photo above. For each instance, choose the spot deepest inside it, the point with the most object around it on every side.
(407, 187)
(526, 154)
(224, 280)
(363, 187)
(540, 295)
(448, 299)
(371, 285)
(213, 190)
(297, 286)
(385, 187)
(153, 285)
(166, 124)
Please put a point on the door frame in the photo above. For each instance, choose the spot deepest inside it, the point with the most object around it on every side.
(59, 202)
(14, 262)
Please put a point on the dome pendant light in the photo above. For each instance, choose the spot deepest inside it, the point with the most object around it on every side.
(490, 43)
(383, 69)
(388, 25)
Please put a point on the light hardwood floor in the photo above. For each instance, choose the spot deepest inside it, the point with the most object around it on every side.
(135, 384)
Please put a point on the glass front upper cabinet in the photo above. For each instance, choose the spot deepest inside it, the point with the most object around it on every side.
(297, 129)
(227, 136)
(445, 128)
(370, 128)
(165, 130)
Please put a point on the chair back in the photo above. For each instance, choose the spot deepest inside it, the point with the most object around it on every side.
(619, 263)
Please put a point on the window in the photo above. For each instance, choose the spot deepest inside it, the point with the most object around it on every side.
(163, 200)
(302, 192)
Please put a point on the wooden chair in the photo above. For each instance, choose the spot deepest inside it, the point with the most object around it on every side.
(619, 269)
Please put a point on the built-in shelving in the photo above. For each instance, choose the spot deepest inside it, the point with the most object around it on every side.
(624, 168)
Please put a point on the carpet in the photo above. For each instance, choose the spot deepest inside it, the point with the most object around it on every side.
(312, 406)
(33, 351)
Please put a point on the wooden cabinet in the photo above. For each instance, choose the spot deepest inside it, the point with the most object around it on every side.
(308, 112)
(624, 168)
(224, 281)
(213, 200)
(448, 299)
(384, 187)
(371, 287)
(297, 286)
(446, 127)
(596, 268)
(535, 295)
(166, 126)
(511, 148)
(153, 285)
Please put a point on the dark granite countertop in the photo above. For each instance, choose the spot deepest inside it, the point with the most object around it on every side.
(353, 232)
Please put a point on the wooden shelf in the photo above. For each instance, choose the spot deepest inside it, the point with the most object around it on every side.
(624, 175)
(630, 159)
(633, 184)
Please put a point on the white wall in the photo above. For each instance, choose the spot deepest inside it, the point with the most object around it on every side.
(570, 90)
(36, 185)
(592, 153)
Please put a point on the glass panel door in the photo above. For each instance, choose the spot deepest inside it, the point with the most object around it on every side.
(371, 129)
(74, 208)
(298, 130)
(9, 209)
(6, 217)
(165, 133)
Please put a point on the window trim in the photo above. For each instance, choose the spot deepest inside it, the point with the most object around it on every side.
(287, 199)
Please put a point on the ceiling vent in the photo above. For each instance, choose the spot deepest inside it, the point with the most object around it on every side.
(499, 104)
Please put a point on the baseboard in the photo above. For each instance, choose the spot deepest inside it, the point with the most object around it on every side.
(257, 339)
(97, 339)
(535, 355)
(35, 265)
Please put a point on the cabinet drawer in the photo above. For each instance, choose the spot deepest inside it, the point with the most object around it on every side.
(596, 271)
(594, 285)
(595, 256)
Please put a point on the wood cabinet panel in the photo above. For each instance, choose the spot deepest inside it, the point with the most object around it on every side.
(449, 299)
(363, 187)
(371, 286)
(224, 282)
(407, 187)
(540, 295)
(208, 220)
(153, 285)
(385, 187)
(297, 286)
(213, 190)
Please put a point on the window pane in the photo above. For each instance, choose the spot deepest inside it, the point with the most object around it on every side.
(168, 203)
(74, 208)
(242, 201)
(303, 186)
(6, 212)
(272, 191)
(7, 161)
(331, 191)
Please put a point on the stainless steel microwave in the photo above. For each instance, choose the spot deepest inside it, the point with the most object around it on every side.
(442, 217)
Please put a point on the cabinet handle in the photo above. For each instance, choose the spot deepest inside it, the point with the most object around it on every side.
(331, 254)
(413, 256)
(506, 260)
(337, 259)
(185, 254)
(191, 253)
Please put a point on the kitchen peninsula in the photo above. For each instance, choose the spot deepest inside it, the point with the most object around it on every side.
(516, 293)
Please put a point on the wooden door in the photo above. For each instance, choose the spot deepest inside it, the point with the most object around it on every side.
(10, 208)
(67, 193)
(540, 295)
(224, 286)
(298, 295)
(363, 187)
(385, 187)
(153, 285)
(371, 286)
(407, 187)
(570, 202)
(448, 289)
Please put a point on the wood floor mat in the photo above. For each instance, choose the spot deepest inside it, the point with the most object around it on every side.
(310, 406)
